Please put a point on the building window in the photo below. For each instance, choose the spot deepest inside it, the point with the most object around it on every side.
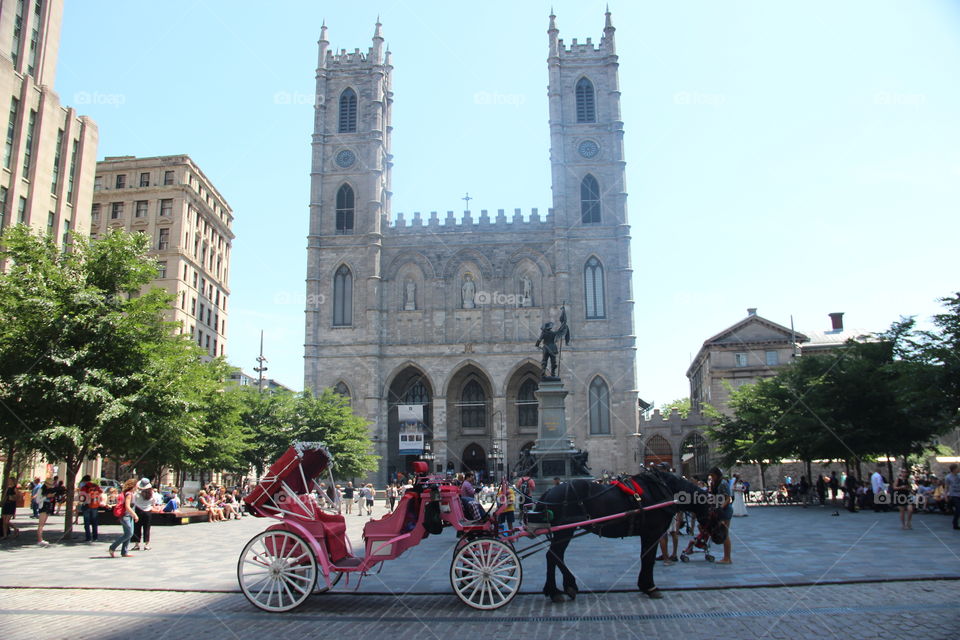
(166, 207)
(162, 269)
(98, 183)
(95, 214)
(586, 103)
(141, 209)
(4, 192)
(343, 297)
(168, 177)
(72, 176)
(50, 219)
(116, 210)
(22, 210)
(599, 407)
(527, 406)
(66, 233)
(343, 391)
(34, 37)
(55, 180)
(28, 147)
(193, 308)
(593, 289)
(17, 33)
(345, 210)
(773, 358)
(348, 111)
(740, 359)
(121, 181)
(473, 406)
(589, 200)
(163, 240)
(11, 131)
(144, 179)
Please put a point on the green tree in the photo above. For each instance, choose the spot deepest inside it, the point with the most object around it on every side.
(77, 340)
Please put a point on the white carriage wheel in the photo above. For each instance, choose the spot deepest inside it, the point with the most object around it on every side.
(486, 573)
(322, 586)
(277, 570)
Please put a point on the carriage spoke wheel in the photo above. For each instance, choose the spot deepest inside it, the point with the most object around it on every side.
(277, 570)
(486, 573)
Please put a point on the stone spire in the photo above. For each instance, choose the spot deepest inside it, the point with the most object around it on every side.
(608, 30)
(324, 43)
(552, 32)
(377, 49)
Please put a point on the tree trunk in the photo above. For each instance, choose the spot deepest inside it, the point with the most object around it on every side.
(810, 472)
(8, 468)
(763, 482)
(73, 467)
(889, 470)
(859, 471)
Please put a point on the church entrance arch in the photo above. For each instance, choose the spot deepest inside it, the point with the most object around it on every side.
(473, 458)
(657, 450)
(410, 387)
(694, 456)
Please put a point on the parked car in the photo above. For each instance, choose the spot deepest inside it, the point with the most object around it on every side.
(106, 483)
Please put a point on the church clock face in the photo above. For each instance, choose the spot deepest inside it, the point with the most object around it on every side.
(345, 159)
(588, 149)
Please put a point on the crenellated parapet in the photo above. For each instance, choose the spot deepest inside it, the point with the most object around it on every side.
(674, 421)
(468, 221)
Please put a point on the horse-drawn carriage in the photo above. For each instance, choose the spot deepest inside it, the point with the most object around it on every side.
(308, 551)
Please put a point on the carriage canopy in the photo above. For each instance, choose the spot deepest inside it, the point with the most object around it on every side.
(292, 473)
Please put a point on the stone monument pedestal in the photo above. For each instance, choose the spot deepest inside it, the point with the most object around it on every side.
(553, 455)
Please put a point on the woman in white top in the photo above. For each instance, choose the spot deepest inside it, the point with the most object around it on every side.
(739, 504)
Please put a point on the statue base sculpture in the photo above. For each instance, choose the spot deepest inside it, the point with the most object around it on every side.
(554, 454)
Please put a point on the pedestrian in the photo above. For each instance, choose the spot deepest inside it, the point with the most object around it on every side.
(348, 497)
(143, 507)
(903, 497)
(391, 496)
(721, 494)
(951, 483)
(804, 491)
(834, 486)
(877, 486)
(61, 491)
(509, 501)
(821, 490)
(368, 496)
(9, 506)
(35, 488)
(739, 503)
(850, 484)
(126, 520)
(48, 503)
(90, 499)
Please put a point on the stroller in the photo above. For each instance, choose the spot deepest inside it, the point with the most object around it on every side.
(712, 531)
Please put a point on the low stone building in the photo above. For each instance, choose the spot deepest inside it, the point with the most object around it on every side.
(679, 442)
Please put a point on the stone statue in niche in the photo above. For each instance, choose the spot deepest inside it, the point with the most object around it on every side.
(410, 296)
(468, 291)
(526, 291)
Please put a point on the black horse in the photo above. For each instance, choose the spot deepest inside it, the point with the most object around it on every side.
(581, 500)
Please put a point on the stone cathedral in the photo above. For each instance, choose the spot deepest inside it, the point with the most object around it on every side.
(441, 312)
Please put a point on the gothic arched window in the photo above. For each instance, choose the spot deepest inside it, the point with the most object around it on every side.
(415, 394)
(599, 406)
(586, 102)
(593, 289)
(348, 111)
(473, 406)
(345, 209)
(527, 406)
(343, 297)
(589, 200)
(342, 390)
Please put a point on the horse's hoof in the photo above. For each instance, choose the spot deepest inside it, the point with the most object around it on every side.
(557, 598)
(654, 594)
(572, 592)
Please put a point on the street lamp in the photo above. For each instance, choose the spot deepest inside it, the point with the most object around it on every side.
(499, 450)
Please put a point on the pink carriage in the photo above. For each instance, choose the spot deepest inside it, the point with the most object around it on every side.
(307, 550)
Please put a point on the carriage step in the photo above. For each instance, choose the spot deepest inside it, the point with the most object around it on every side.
(347, 563)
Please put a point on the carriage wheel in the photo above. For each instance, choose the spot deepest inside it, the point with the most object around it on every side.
(277, 570)
(486, 573)
(322, 586)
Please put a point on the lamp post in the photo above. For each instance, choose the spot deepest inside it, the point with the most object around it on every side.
(499, 450)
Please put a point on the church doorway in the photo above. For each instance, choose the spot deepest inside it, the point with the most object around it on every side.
(474, 458)
(410, 387)
(694, 456)
(657, 450)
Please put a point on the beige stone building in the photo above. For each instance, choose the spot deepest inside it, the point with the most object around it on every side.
(50, 152)
(752, 349)
(441, 313)
(169, 199)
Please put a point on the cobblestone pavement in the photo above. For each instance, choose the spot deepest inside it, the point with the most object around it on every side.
(910, 610)
(774, 546)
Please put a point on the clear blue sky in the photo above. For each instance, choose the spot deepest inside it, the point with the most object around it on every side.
(798, 157)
